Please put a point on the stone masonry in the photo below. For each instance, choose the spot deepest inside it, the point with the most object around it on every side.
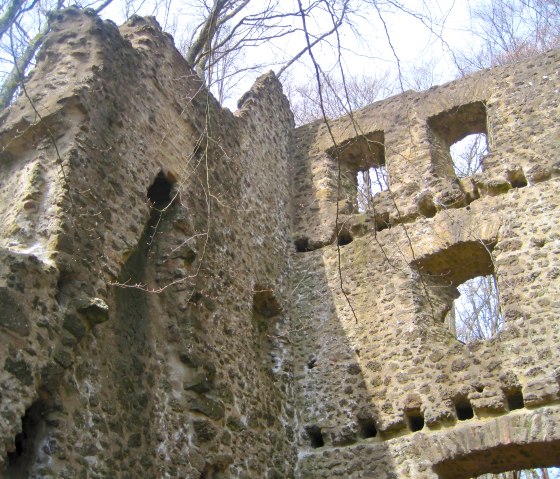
(190, 292)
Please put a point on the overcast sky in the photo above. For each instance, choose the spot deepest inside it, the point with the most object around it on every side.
(417, 44)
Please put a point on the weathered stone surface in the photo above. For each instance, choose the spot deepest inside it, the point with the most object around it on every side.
(19, 369)
(74, 325)
(208, 406)
(200, 383)
(95, 311)
(171, 272)
(13, 316)
(204, 430)
(380, 347)
(115, 308)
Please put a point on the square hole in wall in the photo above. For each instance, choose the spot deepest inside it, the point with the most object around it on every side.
(367, 427)
(415, 420)
(315, 436)
(514, 399)
(463, 409)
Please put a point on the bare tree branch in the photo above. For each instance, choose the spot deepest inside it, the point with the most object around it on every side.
(10, 15)
(15, 77)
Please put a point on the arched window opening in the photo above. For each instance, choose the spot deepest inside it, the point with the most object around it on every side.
(160, 196)
(525, 460)
(159, 192)
(467, 154)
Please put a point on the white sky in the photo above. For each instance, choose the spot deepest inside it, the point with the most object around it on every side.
(370, 54)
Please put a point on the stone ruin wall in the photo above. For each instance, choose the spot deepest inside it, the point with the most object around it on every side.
(117, 381)
(170, 300)
(388, 389)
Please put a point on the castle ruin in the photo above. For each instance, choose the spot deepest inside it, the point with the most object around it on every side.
(190, 292)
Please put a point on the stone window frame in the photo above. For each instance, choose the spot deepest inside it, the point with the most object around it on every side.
(445, 270)
(450, 126)
(358, 154)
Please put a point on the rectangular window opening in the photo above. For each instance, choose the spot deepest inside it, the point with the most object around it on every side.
(371, 182)
(468, 154)
(476, 314)
(459, 140)
(363, 168)
(464, 290)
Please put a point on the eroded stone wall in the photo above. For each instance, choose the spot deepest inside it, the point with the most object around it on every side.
(142, 223)
(384, 387)
(182, 295)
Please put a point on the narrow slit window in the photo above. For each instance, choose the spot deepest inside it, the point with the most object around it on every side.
(372, 181)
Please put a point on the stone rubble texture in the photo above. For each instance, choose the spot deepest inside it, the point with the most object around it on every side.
(182, 295)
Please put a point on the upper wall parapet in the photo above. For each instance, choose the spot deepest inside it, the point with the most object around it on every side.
(410, 135)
